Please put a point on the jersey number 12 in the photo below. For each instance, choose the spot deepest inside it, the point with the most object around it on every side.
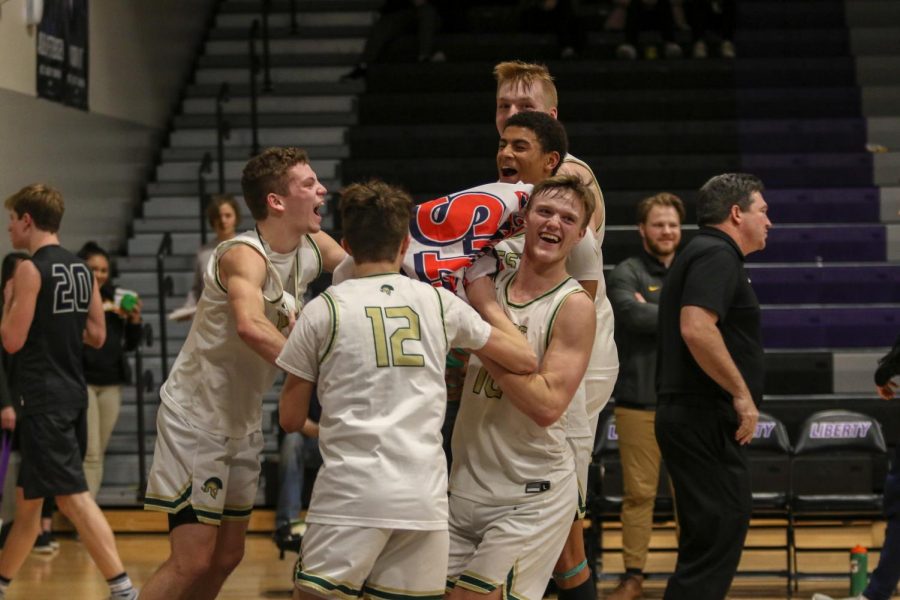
(389, 351)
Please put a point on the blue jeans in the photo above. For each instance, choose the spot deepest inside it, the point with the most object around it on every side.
(290, 479)
(887, 573)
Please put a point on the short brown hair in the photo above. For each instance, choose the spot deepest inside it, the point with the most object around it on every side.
(522, 73)
(559, 184)
(661, 199)
(375, 219)
(44, 204)
(267, 173)
(721, 192)
(215, 202)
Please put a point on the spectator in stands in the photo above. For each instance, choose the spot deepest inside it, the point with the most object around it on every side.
(710, 382)
(712, 16)
(558, 16)
(106, 368)
(649, 15)
(886, 575)
(224, 216)
(634, 287)
(396, 18)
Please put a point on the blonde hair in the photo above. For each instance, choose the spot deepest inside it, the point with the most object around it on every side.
(560, 184)
(526, 74)
(44, 204)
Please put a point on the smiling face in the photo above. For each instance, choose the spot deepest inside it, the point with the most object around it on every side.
(100, 266)
(661, 232)
(554, 223)
(305, 196)
(514, 97)
(520, 157)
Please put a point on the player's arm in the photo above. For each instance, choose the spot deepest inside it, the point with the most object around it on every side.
(704, 340)
(506, 344)
(573, 168)
(20, 300)
(95, 327)
(331, 251)
(242, 271)
(544, 395)
(293, 405)
(631, 309)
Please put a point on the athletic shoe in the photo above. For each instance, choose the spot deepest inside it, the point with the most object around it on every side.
(700, 49)
(672, 50)
(630, 588)
(824, 597)
(358, 72)
(727, 49)
(45, 544)
(626, 52)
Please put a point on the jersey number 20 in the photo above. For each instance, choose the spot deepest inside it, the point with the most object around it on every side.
(72, 292)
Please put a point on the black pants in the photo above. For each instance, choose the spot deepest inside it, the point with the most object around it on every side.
(711, 478)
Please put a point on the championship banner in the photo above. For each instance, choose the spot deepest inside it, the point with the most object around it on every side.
(62, 41)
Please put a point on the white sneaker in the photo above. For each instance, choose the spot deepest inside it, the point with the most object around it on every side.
(700, 49)
(626, 52)
(825, 597)
(727, 49)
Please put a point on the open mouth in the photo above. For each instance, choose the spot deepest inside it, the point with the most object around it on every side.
(509, 173)
(550, 238)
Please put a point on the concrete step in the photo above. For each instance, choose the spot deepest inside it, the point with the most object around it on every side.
(268, 136)
(233, 187)
(145, 283)
(279, 6)
(267, 105)
(187, 170)
(872, 13)
(310, 19)
(281, 32)
(180, 262)
(306, 89)
(238, 153)
(875, 41)
(881, 100)
(279, 75)
(289, 45)
(887, 167)
(242, 60)
(181, 207)
(885, 131)
(878, 70)
(242, 120)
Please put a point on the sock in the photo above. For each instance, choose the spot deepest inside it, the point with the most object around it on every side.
(633, 573)
(585, 591)
(4, 586)
(121, 588)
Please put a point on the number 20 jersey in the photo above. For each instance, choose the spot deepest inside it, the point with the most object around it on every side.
(50, 369)
(377, 346)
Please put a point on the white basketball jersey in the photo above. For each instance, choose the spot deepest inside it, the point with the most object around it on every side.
(217, 381)
(604, 357)
(377, 347)
(501, 456)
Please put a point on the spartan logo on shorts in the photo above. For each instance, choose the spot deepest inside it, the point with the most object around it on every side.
(212, 486)
(387, 289)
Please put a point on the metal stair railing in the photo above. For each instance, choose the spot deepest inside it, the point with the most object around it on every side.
(164, 289)
(142, 382)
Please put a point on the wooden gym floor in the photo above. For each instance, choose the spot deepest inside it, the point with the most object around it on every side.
(69, 573)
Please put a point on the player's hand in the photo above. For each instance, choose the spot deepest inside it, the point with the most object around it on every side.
(748, 415)
(134, 315)
(8, 418)
(886, 391)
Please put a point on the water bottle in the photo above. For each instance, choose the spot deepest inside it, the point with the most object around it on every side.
(859, 570)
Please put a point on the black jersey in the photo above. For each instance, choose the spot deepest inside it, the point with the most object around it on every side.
(50, 365)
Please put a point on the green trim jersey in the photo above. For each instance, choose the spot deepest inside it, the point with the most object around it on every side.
(217, 381)
(377, 347)
(500, 456)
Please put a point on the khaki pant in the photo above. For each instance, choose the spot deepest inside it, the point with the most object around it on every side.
(640, 458)
(104, 402)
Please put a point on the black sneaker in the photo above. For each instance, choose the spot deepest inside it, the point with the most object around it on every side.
(45, 544)
(286, 540)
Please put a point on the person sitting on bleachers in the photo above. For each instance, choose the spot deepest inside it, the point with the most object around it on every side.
(716, 16)
(646, 15)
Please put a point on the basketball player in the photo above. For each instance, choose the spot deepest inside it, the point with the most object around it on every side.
(512, 483)
(52, 308)
(376, 346)
(206, 462)
(523, 87)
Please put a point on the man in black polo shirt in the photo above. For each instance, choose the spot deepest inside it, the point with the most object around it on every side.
(51, 309)
(710, 382)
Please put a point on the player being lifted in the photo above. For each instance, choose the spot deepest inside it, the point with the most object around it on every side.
(375, 345)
